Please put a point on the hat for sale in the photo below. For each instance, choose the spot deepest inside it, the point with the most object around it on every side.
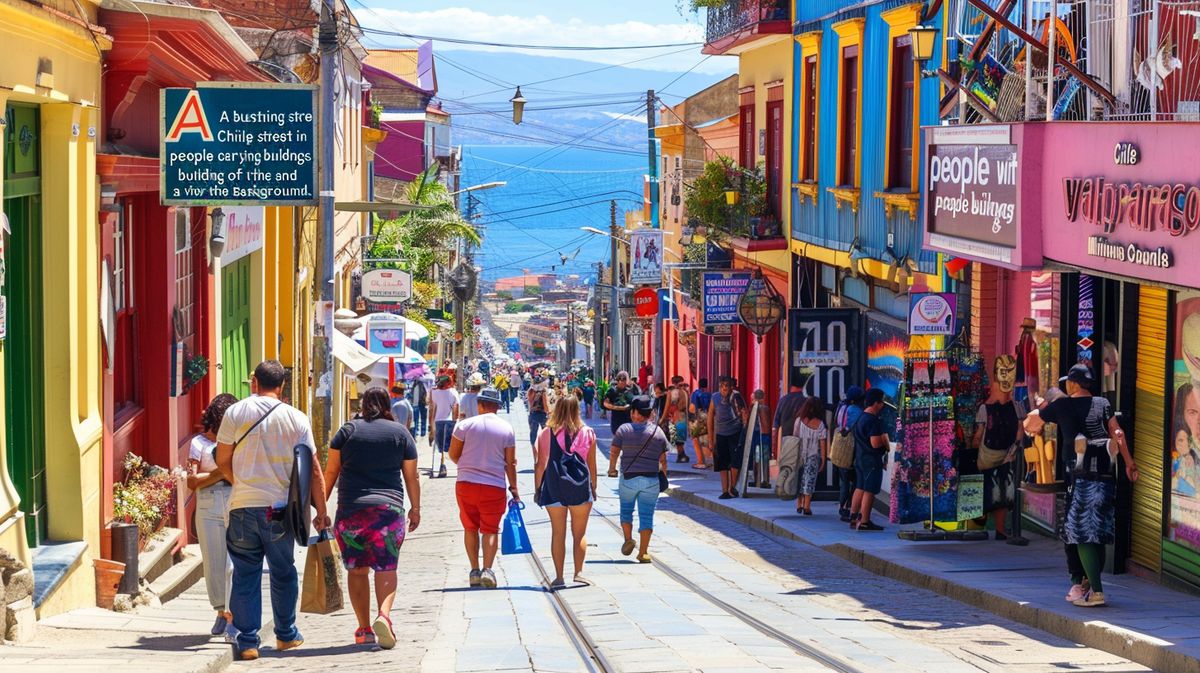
(490, 394)
(642, 403)
(1081, 374)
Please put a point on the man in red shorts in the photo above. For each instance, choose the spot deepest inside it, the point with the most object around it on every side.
(485, 449)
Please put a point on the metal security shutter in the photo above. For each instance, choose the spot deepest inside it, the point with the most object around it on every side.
(1150, 417)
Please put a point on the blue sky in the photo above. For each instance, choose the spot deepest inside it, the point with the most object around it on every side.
(581, 22)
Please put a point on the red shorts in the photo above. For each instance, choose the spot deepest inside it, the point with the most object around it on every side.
(480, 507)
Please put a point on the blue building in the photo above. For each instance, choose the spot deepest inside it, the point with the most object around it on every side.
(860, 102)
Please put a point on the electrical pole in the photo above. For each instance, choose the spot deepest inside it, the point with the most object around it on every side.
(614, 309)
(658, 330)
(322, 355)
(597, 350)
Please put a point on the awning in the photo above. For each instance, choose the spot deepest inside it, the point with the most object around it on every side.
(351, 354)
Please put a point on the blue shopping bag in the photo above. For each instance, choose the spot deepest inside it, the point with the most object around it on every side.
(514, 539)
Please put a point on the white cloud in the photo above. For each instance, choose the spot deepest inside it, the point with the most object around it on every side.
(463, 23)
(640, 118)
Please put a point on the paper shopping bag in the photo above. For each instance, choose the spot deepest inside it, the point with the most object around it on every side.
(322, 593)
(514, 539)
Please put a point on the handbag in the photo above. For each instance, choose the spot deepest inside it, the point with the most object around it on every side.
(322, 592)
(296, 517)
(990, 458)
(663, 484)
(514, 539)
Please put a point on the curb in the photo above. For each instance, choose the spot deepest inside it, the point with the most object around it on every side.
(1136, 647)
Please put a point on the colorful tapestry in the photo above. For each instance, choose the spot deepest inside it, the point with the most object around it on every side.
(911, 479)
(886, 349)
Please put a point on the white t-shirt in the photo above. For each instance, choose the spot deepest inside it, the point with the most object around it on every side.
(201, 451)
(444, 401)
(262, 463)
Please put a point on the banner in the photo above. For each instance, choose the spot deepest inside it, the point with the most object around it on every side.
(932, 313)
(721, 292)
(386, 337)
(645, 264)
(226, 143)
(244, 226)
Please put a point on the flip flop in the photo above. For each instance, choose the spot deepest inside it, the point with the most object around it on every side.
(699, 466)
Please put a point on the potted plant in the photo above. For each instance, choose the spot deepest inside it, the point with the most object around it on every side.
(145, 497)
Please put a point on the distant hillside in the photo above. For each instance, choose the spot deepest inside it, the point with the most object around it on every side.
(624, 87)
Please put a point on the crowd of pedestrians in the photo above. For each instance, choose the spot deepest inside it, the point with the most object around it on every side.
(246, 462)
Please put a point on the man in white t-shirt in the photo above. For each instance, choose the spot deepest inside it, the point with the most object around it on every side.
(255, 449)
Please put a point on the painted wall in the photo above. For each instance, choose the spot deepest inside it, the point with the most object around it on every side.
(71, 294)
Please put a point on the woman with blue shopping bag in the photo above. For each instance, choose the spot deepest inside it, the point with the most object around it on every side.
(565, 483)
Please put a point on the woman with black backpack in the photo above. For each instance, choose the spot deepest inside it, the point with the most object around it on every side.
(565, 483)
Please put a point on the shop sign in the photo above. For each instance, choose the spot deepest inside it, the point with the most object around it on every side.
(225, 143)
(931, 313)
(972, 192)
(811, 359)
(723, 345)
(387, 286)
(722, 291)
(636, 328)
(244, 226)
(645, 302)
(646, 263)
(386, 337)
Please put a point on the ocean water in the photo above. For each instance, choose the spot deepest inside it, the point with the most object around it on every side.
(552, 191)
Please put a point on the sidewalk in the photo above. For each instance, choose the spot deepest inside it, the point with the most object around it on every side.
(172, 638)
(1144, 622)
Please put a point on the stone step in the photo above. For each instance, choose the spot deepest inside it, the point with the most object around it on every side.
(157, 558)
(180, 577)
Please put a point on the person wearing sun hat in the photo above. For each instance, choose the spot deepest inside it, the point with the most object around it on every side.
(1087, 422)
(468, 404)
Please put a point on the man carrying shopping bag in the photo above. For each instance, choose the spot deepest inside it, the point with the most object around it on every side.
(485, 449)
(255, 448)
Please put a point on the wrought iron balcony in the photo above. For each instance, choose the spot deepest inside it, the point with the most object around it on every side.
(736, 22)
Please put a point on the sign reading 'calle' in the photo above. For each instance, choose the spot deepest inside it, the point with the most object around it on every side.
(238, 144)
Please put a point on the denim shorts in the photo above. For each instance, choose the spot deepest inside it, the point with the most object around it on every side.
(642, 492)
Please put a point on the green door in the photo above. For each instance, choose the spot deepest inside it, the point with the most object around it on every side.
(235, 328)
(24, 376)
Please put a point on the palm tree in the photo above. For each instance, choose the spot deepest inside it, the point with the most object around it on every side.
(423, 237)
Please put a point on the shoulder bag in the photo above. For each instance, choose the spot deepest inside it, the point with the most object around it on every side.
(993, 457)
(841, 449)
(663, 484)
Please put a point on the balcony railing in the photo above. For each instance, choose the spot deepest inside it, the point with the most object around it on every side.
(735, 16)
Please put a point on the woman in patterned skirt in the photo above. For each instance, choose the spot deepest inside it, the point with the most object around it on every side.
(814, 448)
(373, 460)
(1087, 424)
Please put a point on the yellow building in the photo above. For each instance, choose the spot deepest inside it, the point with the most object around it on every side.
(51, 427)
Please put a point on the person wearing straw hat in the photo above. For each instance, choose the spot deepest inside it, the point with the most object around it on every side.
(467, 404)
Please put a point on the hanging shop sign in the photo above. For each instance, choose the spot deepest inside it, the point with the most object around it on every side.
(387, 286)
(931, 313)
(386, 337)
(645, 302)
(645, 266)
(225, 143)
(722, 291)
(244, 226)
(722, 345)
(974, 194)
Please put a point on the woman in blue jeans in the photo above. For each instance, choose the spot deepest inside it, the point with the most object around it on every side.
(642, 447)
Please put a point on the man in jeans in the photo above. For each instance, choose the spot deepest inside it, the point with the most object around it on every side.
(727, 417)
(255, 449)
(871, 444)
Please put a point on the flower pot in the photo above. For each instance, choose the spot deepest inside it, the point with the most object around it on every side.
(108, 578)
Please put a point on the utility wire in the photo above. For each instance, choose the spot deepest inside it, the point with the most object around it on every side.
(510, 45)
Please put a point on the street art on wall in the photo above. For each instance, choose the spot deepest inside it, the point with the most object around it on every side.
(886, 347)
(1184, 528)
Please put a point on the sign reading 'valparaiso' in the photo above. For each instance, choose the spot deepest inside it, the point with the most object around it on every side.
(239, 144)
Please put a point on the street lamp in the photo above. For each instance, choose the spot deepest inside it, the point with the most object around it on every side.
(924, 40)
(518, 103)
(479, 187)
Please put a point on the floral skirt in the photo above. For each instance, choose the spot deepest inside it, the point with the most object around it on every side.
(370, 536)
(1091, 512)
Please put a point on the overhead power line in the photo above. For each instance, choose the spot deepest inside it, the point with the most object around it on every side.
(510, 45)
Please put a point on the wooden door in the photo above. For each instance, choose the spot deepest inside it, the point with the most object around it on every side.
(235, 328)
(24, 375)
(775, 158)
